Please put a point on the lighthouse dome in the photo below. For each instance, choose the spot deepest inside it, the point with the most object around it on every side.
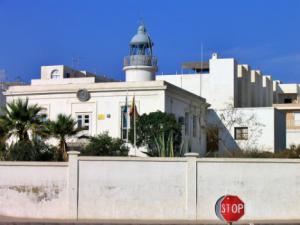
(141, 38)
(140, 65)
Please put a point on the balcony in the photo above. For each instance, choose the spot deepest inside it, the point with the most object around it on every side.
(287, 106)
(293, 124)
(289, 88)
(140, 60)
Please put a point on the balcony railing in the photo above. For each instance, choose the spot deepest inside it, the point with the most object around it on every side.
(140, 60)
(293, 124)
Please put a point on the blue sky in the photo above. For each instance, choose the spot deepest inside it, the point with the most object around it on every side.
(262, 33)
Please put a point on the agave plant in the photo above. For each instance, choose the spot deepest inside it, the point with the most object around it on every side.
(164, 147)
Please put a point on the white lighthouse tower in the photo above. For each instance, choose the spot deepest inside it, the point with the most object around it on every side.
(140, 65)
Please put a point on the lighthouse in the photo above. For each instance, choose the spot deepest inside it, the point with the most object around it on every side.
(140, 65)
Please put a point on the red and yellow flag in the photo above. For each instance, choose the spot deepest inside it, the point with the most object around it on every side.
(133, 110)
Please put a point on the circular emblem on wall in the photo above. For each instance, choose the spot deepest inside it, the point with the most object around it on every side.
(83, 95)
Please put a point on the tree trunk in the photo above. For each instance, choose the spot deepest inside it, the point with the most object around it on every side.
(64, 151)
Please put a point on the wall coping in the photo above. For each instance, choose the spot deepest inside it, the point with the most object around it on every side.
(248, 160)
(31, 163)
(138, 159)
(179, 159)
(150, 159)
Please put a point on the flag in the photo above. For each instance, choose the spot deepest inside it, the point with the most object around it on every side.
(133, 110)
(134, 114)
(127, 116)
(126, 104)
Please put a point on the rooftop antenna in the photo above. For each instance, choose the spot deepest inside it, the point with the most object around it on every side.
(181, 80)
(201, 55)
(141, 20)
(18, 79)
(76, 62)
(201, 69)
(2, 76)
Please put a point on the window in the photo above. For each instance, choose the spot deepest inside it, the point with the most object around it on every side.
(84, 121)
(200, 128)
(43, 114)
(287, 100)
(297, 118)
(194, 126)
(241, 133)
(55, 74)
(187, 123)
(181, 120)
(125, 122)
(212, 139)
(43, 117)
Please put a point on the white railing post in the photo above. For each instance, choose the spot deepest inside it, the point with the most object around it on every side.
(73, 184)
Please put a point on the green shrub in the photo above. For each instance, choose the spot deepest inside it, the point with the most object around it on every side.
(160, 132)
(251, 154)
(292, 152)
(30, 151)
(21, 151)
(104, 145)
(45, 152)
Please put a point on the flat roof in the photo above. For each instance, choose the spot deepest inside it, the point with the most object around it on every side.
(195, 65)
(96, 87)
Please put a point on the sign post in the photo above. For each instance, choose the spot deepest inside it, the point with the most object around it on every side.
(229, 208)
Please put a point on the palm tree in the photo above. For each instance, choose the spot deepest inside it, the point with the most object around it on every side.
(2, 134)
(62, 128)
(2, 143)
(19, 118)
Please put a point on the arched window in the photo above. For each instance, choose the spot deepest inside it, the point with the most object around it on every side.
(55, 74)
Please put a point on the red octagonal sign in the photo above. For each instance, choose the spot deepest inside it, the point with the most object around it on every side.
(230, 208)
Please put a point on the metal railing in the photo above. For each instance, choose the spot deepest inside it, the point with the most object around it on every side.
(293, 124)
(140, 60)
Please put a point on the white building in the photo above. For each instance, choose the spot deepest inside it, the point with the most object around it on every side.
(241, 114)
(99, 105)
(3, 87)
(287, 99)
(247, 108)
(2, 97)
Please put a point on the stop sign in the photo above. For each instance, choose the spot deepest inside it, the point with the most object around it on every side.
(230, 208)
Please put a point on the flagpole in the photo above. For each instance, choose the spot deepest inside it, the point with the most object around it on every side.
(127, 118)
(134, 126)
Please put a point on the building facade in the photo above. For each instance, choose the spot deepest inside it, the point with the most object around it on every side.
(2, 97)
(241, 115)
(288, 100)
(98, 104)
(3, 87)
(248, 109)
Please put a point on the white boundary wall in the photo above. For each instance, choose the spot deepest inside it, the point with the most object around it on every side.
(34, 189)
(149, 188)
